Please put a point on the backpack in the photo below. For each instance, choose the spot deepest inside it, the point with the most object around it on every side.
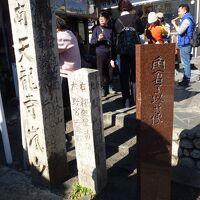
(127, 39)
(195, 40)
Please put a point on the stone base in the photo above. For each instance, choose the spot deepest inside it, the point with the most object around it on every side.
(187, 176)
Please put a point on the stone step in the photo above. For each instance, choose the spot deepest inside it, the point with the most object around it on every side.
(120, 147)
(122, 139)
(120, 150)
(121, 159)
(122, 156)
(120, 136)
(122, 118)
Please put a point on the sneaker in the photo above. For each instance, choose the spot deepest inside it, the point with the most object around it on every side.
(184, 83)
(111, 91)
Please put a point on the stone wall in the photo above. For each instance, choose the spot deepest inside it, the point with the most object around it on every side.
(187, 149)
(186, 156)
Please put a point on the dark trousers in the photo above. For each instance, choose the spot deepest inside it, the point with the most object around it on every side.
(127, 75)
(66, 99)
(103, 62)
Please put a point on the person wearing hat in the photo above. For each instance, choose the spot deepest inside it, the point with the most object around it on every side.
(165, 27)
(127, 18)
(153, 31)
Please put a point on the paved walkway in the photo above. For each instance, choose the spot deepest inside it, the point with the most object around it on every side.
(120, 148)
(187, 102)
(15, 185)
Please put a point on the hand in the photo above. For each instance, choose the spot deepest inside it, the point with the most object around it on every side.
(173, 21)
(112, 63)
(100, 36)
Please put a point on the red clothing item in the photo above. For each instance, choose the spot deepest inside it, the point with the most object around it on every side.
(156, 34)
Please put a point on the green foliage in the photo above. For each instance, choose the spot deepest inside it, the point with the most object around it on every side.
(79, 191)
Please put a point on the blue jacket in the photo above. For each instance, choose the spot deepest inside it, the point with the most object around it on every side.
(184, 39)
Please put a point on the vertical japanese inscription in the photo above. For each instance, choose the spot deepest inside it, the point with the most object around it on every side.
(155, 119)
(28, 84)
(80, 104)
(157, 69)
(39, 84)
(88, 129)
(48, 70)
(45, 45)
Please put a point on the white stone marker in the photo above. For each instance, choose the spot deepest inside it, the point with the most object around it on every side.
(84, 86)
(4, 133)
(34, 36)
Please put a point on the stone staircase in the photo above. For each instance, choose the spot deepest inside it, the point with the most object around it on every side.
(120, 136)
(120, 140)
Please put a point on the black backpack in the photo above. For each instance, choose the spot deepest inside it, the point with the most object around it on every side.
(127, 39)
(195, 40)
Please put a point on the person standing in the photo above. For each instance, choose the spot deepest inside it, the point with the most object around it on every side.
(68, 48)
(127, 61)
(165, 27)
(153, 31)
(69, 60)
(185, 32)
(101, 39)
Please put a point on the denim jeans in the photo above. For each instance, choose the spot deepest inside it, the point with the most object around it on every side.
(185, 52)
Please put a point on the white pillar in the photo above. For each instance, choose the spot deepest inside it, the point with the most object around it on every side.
(4, 133)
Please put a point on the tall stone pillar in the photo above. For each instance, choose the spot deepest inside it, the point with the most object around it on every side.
(84, 86)
(34, 33)
(154, 112)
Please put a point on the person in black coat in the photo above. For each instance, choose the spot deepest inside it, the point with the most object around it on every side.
(101, 39)
(127, 62)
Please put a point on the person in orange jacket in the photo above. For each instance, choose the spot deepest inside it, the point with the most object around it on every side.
(153, 31)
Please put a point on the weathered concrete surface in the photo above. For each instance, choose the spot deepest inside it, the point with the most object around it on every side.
(16, 185)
